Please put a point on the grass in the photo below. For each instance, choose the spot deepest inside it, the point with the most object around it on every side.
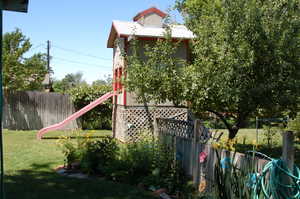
(29, 173)
(94, 133)
(249, 135)
(246, 137)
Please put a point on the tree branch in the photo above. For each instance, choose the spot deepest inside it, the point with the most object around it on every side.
(219, 115)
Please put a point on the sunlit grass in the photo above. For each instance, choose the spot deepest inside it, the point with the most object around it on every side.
(29, 172)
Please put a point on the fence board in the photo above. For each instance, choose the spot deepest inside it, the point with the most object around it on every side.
(190, 145)
(32, 110)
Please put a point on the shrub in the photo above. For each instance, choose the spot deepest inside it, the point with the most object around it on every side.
(100, 116)
(73, 150)
(92, 155)
(147, 161)
(98, 155)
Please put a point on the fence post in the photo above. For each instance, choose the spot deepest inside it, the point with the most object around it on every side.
(288, 154)
(288, 151)
(155, 127)
(195, 153)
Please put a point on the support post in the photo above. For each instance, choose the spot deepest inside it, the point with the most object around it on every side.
(156, 133)
(195, 153)
(288, 154)
(114, 116)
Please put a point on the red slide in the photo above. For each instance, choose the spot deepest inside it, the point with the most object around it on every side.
(74, 115)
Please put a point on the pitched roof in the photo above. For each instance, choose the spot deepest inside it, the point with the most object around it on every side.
(124, 28)
(148, 11)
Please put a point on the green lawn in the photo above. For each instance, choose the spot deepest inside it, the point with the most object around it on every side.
(245, 138)
(29, 174)
(249, 135)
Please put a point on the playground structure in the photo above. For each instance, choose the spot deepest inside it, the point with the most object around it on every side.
(129, 117)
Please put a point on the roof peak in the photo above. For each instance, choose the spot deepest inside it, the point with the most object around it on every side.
(148, 11)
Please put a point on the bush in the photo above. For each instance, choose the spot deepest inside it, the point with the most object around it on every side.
(73, 150)
(147, 161)
(153, 164)
(98, 155)
(100, 116)
(93, 156)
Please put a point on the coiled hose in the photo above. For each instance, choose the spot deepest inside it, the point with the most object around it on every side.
(277, 181)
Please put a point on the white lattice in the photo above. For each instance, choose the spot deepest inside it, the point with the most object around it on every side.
(132, 122)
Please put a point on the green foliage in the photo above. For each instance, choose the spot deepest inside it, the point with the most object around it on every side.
(245, 61)
(246, 57)
(72, 151)
(71, 80)
(106, 81)
(235, 182)
(146, 162)
(98, 155)
(92, 155)
(154, 71)
(294, 125)
(135, 159)
(100, 116)
(270, 137)
(20, 72)
(154, 164)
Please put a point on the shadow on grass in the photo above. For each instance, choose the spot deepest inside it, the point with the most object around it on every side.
(39, 183)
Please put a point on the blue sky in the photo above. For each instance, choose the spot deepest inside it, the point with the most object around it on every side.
(78, 32)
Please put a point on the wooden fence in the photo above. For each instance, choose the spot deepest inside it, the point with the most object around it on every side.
(189, 139)
(31, 110)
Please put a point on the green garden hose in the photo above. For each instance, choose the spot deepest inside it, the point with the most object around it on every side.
(271, 181)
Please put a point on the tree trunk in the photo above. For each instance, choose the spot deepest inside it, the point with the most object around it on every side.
(150, 120)
(232, 132)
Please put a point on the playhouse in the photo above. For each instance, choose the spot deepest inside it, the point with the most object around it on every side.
(130, 117)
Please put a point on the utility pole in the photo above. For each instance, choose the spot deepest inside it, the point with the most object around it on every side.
(47, 81)
(48, 56)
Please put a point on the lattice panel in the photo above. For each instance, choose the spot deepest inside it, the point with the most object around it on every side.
(174, 127)
(133, 121)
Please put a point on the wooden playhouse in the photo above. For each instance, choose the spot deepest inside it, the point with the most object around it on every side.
(129, 117)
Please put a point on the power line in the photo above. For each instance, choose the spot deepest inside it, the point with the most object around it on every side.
(37, 46)
(81, 63)
(81, 53)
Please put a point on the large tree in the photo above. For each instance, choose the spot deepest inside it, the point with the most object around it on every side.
(154, 71)
(245, 61)
(246, 57)
(20, 72)
(71, 80)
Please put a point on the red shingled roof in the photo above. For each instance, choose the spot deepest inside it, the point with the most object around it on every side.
(148, 11)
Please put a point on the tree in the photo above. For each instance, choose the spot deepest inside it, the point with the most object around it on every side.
(245, 61)
(106, 81)
(20, 72)
(154, 71)
(100, 116)
(246, 57)
(69, 81)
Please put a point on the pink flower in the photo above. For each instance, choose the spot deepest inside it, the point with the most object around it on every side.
(202, 157)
